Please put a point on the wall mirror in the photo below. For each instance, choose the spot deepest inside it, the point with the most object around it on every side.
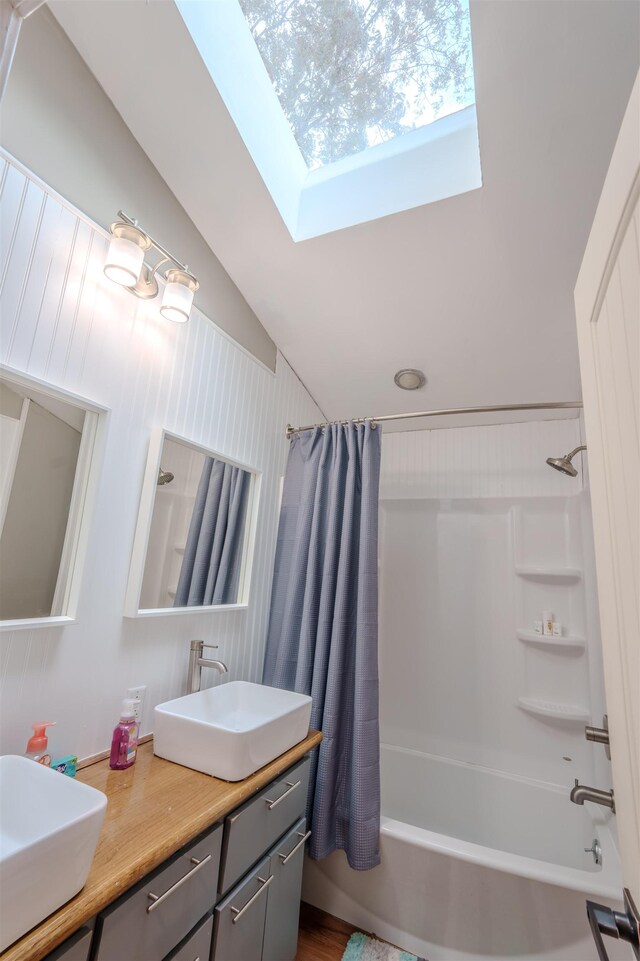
(194, 540)
(48, 474)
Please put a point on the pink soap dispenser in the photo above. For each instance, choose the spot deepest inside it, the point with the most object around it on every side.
(124, 744)
(38, 743)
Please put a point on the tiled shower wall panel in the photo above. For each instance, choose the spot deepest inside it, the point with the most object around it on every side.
(460, 510)
(64, 322)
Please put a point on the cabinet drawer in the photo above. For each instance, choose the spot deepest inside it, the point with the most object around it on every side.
(147, 922)
(239, 919)
(254, 827)
(75, 948)
(283, 901)
(197, 946)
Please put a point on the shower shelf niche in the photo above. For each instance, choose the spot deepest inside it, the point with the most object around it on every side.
(562, 712)
(568, 640)
(550, 573)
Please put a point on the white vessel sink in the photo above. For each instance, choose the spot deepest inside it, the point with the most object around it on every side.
(49, 827)
(232, 730)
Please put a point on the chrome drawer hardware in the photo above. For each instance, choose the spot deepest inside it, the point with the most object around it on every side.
(265, 882)
(158, 899)
(303, 838)
(292, 787)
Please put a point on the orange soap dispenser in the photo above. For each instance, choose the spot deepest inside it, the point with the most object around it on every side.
(38, 743)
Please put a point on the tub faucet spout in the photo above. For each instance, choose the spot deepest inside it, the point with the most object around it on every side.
(581, 793)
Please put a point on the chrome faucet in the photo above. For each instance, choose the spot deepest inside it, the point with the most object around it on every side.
(197, 662)
(581, 793)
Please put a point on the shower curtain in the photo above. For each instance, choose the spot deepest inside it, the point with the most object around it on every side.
(323, 627)
(210, 570)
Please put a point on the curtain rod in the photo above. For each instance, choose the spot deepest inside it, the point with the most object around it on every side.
(559, 405)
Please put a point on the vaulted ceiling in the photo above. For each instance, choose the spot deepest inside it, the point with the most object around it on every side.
(477, 290)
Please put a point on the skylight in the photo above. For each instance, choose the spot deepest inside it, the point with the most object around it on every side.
(351, 109)
(351, 74)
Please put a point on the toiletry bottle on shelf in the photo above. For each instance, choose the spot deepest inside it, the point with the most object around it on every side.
(547, 623)
(38, 743)
(124, 744)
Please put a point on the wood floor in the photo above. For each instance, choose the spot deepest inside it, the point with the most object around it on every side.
(322, 937)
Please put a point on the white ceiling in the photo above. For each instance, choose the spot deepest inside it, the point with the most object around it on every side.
(477, 290)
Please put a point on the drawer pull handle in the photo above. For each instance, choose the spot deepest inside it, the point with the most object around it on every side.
(287, 857)
(158, 899)
(292, 787)
(265, 882)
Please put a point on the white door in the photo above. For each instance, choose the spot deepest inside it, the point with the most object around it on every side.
(607, 298)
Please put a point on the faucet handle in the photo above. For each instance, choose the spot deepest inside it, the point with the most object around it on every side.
(198, 645)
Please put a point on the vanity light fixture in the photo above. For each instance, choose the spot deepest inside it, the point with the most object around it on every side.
(125, 266)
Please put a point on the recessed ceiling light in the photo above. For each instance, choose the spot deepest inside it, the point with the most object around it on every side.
(410, 379)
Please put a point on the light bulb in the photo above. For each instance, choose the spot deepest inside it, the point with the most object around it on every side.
(178, 296)
(126, 254)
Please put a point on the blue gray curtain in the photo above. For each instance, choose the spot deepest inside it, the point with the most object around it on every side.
(323, 628)
(210, 571)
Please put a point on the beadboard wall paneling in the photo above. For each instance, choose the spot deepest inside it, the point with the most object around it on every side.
(61, 320)
(506, 460)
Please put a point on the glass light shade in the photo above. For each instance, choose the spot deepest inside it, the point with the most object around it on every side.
(178, 296)
(124, 261)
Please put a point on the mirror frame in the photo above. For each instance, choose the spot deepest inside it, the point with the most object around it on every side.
(81, 508)
(143, 530)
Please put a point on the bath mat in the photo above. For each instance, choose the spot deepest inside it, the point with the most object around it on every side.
(363, 948)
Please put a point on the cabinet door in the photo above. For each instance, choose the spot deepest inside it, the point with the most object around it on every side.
(75, 948)
(239, 919)
(251, 830)
(283, 901)
(197, 945)
(148, 921)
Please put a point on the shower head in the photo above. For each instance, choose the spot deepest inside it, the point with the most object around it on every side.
(164, 477)
(563, 464)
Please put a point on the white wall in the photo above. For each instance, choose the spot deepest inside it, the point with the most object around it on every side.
(62, 321)
(58, 121)
(459, 510)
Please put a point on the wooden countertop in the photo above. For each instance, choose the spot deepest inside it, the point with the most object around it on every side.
(155, 807)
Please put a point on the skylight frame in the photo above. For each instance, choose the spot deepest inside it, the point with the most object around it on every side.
(430, 163)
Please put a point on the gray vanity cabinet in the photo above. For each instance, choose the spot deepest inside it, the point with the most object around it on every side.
(283, 900)
(240, 917)
(75, 948)
(197, 945)
(233, 894)
(151, 919)
(255, 826)
(258, 919)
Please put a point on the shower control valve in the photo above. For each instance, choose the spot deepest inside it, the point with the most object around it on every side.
(600, 735)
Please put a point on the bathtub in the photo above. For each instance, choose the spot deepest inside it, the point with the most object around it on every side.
(476, 864)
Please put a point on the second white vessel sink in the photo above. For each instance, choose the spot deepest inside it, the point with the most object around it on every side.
(49, 827)
(232, 730)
